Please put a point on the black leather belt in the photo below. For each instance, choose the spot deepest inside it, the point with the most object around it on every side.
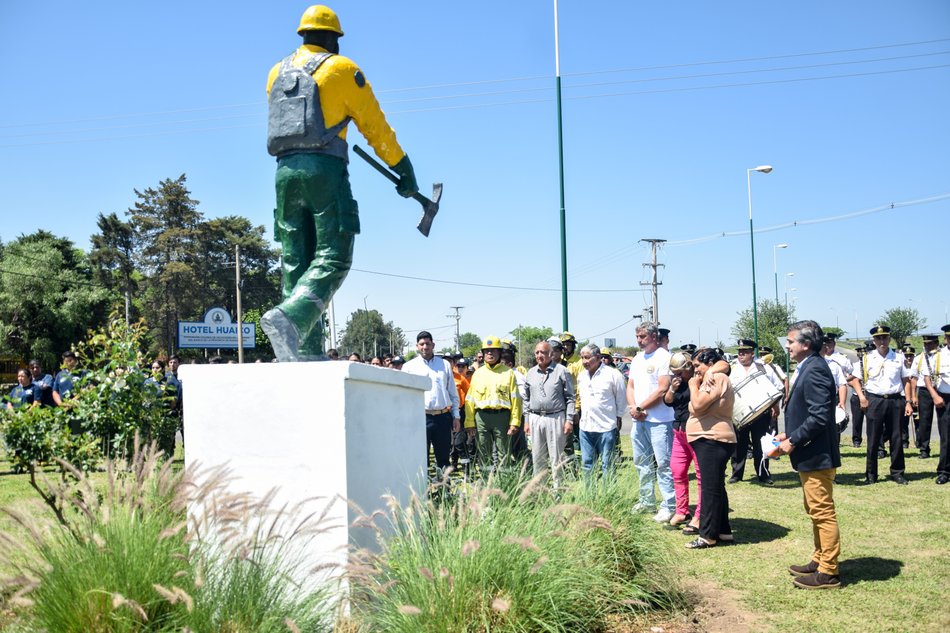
(890, 396)
(546, 412)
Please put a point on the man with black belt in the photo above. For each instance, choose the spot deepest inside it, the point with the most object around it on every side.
(549, 406)
(939, 387)
(886, 382)
(441, 399)
(922, 367)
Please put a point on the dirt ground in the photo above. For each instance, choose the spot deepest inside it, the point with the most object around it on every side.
(717, 611)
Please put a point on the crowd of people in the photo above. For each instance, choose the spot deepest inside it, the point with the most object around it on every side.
(689, 408)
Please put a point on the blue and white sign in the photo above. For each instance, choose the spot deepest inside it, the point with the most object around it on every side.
(216, 331)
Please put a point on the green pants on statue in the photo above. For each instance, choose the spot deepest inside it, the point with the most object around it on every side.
(316, 221)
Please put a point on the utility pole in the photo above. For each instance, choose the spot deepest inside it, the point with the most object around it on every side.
(237, 293)
(458, 317)
(655, 312)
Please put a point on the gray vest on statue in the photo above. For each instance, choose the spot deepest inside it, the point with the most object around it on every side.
(295, 120)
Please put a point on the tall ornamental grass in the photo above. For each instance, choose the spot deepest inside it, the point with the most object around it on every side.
(123, 556)
(513, 559)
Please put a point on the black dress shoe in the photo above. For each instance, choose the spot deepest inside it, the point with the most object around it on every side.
(899, 479)
(734, 480)
(881, 454)
(870, 479)
(923, 455)
(942, 479)
(856, 443)
(767, 481)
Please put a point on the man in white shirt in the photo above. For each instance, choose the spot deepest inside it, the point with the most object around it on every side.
(886, 382)
(604, 397)
(652, 432)
(441, 400)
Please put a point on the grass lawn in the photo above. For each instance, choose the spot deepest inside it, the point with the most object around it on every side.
(895, 552)
(895, 562)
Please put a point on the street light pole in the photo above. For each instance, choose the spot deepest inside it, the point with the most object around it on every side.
(560, 162)
(775, 266)
(764, 169)
(787, 275)
(237, 298)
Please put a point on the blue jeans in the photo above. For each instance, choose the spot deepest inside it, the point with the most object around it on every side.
(654, 441)
(594, 445)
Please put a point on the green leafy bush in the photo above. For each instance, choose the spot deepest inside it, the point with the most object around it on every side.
(112, 402)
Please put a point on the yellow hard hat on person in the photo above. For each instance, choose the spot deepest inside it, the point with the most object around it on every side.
(567, 336)
(492, 342)
(319, 18)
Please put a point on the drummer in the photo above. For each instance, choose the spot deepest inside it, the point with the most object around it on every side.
(753, 432)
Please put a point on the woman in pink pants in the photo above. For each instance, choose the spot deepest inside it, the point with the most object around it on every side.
(677, 396)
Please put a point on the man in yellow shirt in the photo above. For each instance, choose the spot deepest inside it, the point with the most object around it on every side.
(313, 94)
(493, 406)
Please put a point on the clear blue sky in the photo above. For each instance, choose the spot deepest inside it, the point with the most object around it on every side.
(666, 105)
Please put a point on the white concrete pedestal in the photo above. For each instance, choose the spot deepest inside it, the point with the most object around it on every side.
(315, 432)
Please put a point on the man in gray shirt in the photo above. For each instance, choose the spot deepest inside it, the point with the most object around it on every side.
(549, 408)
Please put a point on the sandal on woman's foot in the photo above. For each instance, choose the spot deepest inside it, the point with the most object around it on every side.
(680, 519)
(699, 543)
(691, 530)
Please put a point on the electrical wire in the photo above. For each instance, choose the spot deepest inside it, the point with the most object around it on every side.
(478, 285)
(593, 336)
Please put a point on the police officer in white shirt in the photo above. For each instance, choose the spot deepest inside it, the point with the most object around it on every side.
(922, 367)
(938, 384)
(831, 340)
(886, 382)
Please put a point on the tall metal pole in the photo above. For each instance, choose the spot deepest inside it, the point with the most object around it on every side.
(653, 283)
(237, 292)
(755, 306)
(560, 162)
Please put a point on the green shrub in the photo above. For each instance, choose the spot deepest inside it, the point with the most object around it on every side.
(499, 561)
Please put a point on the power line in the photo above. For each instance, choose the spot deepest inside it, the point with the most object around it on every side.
(834, 218)
(510, 103)
(537, 77)
(477, 285)
(593, 336)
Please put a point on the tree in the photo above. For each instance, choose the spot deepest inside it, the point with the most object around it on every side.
(367, 334)
(903, 322)
(165, 224)
(260, 280)
(774, 319)
(48, 298)
(180, 263)
(111, 256)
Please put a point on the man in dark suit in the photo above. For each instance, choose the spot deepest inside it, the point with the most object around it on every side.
(811, 442)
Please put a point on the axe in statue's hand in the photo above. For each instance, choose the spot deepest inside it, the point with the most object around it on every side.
(429, 207)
